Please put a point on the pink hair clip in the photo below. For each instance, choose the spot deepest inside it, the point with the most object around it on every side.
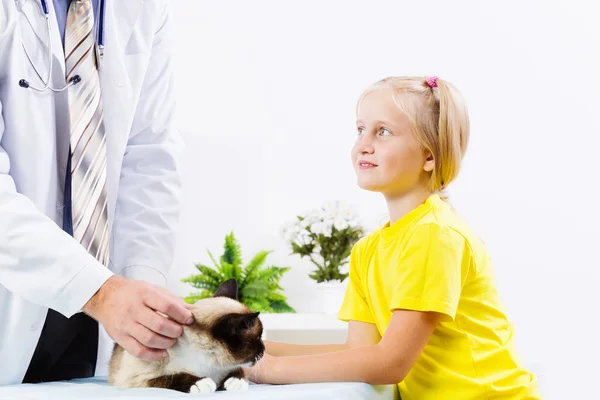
(432, 81)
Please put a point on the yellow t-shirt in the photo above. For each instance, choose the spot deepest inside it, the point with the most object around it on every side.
(430, 260)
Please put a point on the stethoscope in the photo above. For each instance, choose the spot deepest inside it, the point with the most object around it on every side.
(99, 48)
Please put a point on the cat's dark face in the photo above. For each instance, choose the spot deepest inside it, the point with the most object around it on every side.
(241, 333)
(226, 329)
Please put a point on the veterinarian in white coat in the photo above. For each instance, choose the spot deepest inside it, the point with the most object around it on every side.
(41, 266)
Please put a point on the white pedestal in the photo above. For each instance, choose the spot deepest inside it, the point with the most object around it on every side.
(304, 328)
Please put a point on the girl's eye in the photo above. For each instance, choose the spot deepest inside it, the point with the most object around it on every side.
(361, 131)
(384, 132)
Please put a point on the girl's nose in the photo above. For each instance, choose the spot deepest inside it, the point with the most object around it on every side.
(367, 149)
(365, 145)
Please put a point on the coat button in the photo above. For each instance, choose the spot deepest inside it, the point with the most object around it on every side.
(33, 327)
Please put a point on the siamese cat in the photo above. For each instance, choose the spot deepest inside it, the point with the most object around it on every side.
(208, 356)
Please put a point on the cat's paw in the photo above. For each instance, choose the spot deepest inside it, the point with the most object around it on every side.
(236, 384)
(205, 385)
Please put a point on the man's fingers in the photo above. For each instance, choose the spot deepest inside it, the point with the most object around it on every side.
(175, 297)
(159, 324)
(150, 339)
(171, 295)
(166, 305)
(136, 349)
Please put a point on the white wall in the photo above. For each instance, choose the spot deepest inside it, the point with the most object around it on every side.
(266, 100)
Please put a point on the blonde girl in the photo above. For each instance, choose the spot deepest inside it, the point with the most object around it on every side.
(421, 302)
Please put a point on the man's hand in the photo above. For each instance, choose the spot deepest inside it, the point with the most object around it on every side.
(129, 311)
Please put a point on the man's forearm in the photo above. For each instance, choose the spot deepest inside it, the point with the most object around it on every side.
(278, 349)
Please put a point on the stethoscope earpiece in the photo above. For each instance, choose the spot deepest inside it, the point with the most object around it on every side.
(73, 81)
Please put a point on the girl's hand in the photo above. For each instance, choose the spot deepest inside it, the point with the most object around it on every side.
(259, 372)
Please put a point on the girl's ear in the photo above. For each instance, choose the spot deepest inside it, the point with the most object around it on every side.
(429, 164)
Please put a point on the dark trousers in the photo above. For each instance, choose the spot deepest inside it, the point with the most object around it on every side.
(67, 349)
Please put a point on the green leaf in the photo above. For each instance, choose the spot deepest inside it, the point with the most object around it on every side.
(198, 284)
(271, 273)
(280, 306)
(194, 297)
(207, 274)
(304, 250)
(227, 270)
(256, 289)
(275, 296)
(214, 260)
(253, 266)
(261, 305)
(232, 254)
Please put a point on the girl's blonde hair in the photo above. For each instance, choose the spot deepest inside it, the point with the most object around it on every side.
(438, 118)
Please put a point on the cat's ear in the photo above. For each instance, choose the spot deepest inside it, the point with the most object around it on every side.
(228, 288)
(240, 322)
(247, 320)
(253, 315)
(249, 323)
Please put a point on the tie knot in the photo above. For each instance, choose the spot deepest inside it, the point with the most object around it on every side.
(79, 6)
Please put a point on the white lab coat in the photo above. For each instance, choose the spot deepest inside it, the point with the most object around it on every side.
(42, 267)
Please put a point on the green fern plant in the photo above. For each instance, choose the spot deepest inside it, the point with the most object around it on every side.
(258, 285)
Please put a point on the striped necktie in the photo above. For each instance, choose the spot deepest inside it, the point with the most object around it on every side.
(87, 136)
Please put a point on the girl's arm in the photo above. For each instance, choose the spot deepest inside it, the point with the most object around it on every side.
(279, 349)
(359, 334)
(386, 362)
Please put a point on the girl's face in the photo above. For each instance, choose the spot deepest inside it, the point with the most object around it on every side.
(387, 157)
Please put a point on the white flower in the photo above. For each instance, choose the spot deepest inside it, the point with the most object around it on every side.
(332, 214)
(320, 215)
(348, 215)
(303, 237)
(353, 223)
(317, 228)
(340, 224)
(290, 231)
(330, 206)
(328, 228)
(305, 222)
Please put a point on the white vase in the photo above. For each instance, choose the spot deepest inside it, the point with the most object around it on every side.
(330, 296)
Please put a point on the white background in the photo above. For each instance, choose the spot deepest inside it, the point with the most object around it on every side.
(267, 92)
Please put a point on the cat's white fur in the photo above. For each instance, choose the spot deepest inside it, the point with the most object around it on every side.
(205, 385)
(235, 384)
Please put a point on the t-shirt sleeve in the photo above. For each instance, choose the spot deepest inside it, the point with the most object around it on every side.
(431, 271)
(355, 306)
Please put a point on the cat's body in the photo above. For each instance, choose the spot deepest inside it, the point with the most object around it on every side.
(209, 355)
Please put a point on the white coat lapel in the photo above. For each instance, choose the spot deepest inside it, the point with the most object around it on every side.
(121, 17)
(34, 35)
(129, 12)
(37, 41)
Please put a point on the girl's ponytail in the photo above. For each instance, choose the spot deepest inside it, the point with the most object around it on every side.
(453, 135)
